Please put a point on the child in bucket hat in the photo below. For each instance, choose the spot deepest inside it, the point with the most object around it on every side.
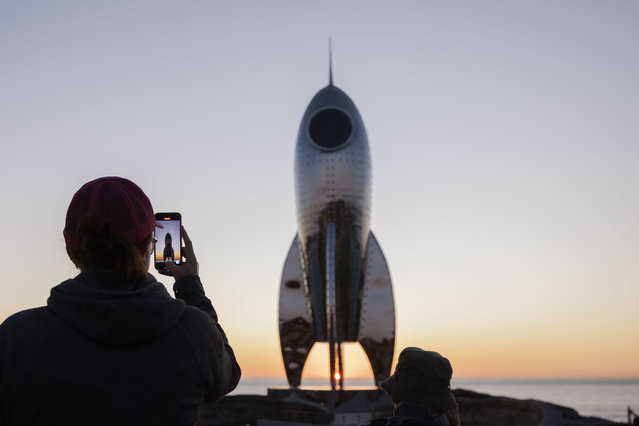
(420, 388)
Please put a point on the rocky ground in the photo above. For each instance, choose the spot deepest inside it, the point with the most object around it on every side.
(483, 410)
(476, 410)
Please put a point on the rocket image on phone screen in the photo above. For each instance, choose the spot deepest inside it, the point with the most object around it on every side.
(169, 254)
(168, 244)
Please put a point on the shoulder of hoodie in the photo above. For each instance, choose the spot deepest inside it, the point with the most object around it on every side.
(26, 328)
(28, 318)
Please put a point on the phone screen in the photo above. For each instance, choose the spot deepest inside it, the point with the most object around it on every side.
(168, 246)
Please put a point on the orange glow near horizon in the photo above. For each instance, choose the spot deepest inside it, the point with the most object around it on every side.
(476, 350)
(470, 359)
(356, 365)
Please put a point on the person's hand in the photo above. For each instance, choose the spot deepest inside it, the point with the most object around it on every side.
(189, 266)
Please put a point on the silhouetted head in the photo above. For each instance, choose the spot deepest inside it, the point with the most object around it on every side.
(422, 377)
(109, 225)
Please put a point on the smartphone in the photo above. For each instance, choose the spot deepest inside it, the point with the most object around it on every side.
(168, 239)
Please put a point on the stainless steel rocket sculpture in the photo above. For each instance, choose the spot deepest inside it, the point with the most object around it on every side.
(336, 286)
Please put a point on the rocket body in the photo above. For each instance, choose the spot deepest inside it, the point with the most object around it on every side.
(335, 282)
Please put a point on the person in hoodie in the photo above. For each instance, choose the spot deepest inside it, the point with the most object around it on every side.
(112, 347)
(420, 389)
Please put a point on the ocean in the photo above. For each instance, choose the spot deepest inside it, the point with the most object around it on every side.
(605, 398)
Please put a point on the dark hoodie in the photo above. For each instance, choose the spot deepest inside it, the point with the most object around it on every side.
(410, 414)
(109, 352)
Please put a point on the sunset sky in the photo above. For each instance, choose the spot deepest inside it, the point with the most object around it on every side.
(505, 150)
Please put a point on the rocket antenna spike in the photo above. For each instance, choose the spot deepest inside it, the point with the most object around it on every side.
(330, 62)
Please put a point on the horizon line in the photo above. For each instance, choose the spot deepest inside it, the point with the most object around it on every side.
(469, 378)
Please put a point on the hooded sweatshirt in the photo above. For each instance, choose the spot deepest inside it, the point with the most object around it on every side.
(106, 351)
(412, 414)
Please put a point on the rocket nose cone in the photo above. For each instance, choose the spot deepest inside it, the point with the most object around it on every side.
(330, 128)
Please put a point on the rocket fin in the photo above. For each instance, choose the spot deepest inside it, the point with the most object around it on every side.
(296, 327)
(377, 320)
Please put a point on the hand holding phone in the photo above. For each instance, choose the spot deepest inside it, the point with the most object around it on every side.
(189, 266)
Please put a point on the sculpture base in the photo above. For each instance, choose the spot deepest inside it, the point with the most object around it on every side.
(344, 407)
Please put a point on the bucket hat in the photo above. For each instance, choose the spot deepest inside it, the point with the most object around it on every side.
(422, 377)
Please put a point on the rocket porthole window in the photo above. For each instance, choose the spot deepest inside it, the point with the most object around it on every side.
(330, 128)
(293, 284)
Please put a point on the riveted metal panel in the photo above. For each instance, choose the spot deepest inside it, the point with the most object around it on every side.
(334, 186)
(341, 263)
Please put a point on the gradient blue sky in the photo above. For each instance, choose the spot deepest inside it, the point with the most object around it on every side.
(504, 139)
